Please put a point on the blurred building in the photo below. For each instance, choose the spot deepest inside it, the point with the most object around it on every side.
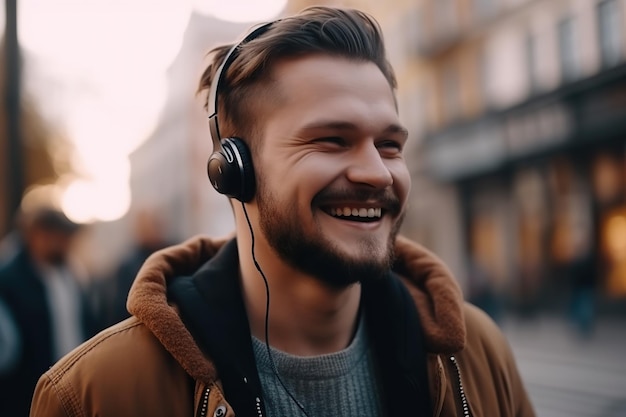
(168, 171)
(526, 119)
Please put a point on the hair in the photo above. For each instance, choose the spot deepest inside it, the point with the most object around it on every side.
(49, 220)
(345, 33)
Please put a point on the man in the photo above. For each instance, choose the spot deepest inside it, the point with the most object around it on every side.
(46, 314)
(316, 307)
(149, 236)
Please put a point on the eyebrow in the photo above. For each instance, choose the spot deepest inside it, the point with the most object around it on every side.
(339, 125)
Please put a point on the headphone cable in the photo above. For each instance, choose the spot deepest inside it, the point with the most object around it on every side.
(267, 315)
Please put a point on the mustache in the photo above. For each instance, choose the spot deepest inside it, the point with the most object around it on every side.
(385, 198)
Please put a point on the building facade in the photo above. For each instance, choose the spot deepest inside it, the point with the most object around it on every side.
(527, 120)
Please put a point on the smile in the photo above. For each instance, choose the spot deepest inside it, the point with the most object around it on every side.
(354, 213)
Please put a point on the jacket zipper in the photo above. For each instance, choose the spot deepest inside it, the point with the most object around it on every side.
(204, 403)
(466, 412)
(258, 407)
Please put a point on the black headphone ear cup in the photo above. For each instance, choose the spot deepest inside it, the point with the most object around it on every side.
(230, 170)
(248, 181)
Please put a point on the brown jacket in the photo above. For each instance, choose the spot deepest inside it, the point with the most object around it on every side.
(149, 365)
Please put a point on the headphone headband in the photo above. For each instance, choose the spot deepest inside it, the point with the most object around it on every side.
(220, 74)
(230, 165)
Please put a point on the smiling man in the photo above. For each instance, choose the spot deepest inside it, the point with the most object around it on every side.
(316, 307)
(333, 182)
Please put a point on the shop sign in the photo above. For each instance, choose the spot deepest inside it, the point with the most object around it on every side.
(603, 108)
(536, 128)
(467, 151)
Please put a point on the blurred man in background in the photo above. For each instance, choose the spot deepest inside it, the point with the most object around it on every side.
(44, 304)
(148, 238)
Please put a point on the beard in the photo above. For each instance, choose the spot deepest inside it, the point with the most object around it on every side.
(316, 255)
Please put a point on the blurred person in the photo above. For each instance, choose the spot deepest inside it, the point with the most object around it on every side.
(9, 246)
(316, 306)
(581, 274)
(44, 304)
(148, 238)
(580, 271)
(9, 340)
(482, 291)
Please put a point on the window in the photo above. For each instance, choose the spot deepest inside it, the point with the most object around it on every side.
(568, 49)
(610, 32)
(482, 72)
(451, 93)
(532, 63)
(446, 18)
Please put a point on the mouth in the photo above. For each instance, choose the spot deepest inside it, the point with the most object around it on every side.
(355, 214)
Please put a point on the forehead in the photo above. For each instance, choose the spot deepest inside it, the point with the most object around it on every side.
(317, 87)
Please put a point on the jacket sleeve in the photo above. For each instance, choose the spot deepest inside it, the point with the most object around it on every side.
(46, 401)
(521, 402)
(491, 377)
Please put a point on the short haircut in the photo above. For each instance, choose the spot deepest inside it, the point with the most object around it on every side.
(52, 220)
(345, 33)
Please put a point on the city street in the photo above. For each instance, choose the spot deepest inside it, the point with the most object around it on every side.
(566, 374)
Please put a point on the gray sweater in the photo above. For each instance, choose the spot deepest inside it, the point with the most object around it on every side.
(337, 384)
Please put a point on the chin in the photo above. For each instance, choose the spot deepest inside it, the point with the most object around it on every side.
(369, 249)
(340, 268)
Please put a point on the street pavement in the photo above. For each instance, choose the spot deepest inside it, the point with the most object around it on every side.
(567, 374)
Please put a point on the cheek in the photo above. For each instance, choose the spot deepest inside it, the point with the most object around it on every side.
(301, 181)
(401, 180)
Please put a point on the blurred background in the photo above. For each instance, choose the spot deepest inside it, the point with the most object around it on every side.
(517, 116)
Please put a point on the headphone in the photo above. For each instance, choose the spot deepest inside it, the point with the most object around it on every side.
(230, 165)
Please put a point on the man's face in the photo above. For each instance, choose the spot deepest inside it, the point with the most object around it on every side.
(332, 180)
(51, 246)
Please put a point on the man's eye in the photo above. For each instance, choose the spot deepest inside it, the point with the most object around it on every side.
(390, 145)
(335, 140)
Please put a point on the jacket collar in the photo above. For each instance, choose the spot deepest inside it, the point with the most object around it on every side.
(211, 305)
(436, 295)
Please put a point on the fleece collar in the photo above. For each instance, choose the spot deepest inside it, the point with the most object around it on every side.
(436, 295)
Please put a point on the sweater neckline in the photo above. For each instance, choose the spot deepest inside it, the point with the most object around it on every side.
(318, 367)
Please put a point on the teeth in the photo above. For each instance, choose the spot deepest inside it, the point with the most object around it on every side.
(356, 212)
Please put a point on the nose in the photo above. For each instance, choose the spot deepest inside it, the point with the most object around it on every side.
(368, 167)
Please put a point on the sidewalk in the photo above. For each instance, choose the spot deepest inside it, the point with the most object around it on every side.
(567, 374)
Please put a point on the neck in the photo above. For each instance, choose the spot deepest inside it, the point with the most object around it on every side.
(306, 317)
